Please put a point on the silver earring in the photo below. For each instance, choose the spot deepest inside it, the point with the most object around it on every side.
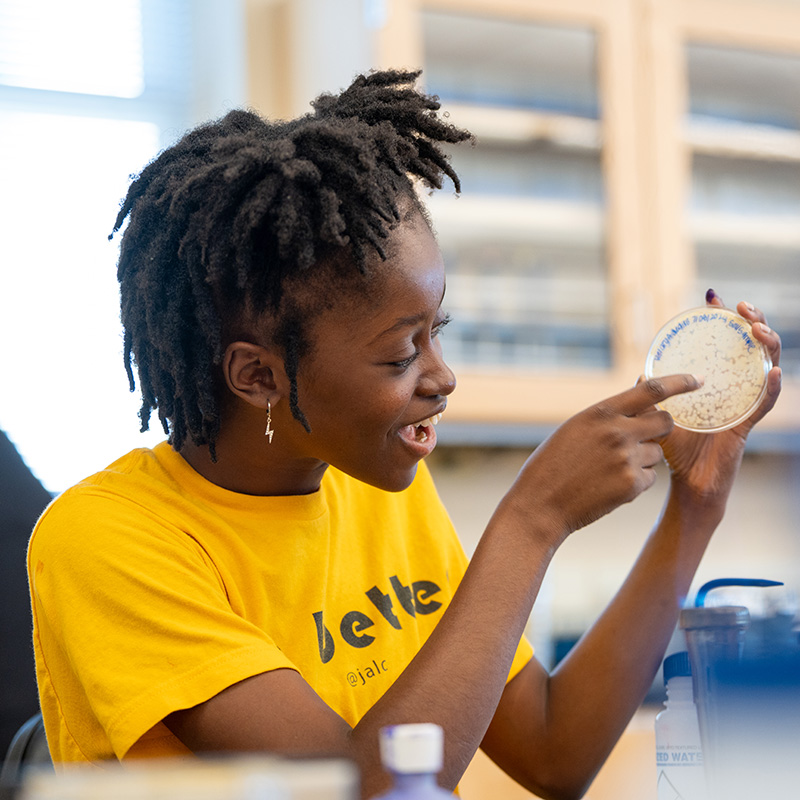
(269, 431)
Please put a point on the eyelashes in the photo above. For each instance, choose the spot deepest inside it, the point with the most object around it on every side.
(446, 320)
(406, 362)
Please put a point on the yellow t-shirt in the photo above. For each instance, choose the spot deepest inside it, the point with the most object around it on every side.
(154, 589)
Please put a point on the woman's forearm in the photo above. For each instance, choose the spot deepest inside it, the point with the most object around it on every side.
(596, 689)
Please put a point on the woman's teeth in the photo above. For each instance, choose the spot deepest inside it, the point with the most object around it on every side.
(421, 433)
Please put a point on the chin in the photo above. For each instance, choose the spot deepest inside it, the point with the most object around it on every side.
(394, 482)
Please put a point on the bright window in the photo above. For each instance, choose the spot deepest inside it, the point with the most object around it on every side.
(90, 91)
(50, 44)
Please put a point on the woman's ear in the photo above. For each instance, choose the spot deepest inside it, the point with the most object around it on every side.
(250, 372)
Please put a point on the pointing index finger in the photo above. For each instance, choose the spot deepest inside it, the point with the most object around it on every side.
(652, 391)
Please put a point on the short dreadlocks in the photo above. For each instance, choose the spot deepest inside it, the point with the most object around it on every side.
(223, 220)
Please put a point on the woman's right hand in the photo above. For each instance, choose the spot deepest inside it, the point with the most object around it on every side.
(600, 458)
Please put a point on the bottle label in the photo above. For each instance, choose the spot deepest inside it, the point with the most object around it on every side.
(681, 775)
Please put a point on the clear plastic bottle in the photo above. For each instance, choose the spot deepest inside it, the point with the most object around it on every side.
(413, 755)
(679, 753)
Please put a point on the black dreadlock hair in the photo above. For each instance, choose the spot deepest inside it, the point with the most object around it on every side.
(223, 220)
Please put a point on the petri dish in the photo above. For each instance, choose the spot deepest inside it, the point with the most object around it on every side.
(717, 344)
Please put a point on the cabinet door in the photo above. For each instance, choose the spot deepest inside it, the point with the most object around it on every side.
(630, 155)
(743, 127)
(724, 160)
(525, 246)
(538, 277)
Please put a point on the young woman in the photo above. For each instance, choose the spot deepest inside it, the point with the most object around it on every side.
(280, 575)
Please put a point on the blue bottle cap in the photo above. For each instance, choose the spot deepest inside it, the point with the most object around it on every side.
(677, 666)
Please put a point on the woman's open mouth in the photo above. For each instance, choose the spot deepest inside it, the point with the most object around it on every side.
(422, 431)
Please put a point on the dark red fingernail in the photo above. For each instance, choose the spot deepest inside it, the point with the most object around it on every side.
(710, 295)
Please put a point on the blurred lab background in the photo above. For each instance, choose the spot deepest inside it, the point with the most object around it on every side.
(631, 154)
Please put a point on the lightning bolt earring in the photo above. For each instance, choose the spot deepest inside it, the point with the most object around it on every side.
(269, 431)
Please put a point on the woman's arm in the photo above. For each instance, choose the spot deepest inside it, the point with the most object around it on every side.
(553, 733)
(598, 459)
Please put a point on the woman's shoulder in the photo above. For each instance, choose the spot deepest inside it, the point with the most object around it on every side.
(137, 479)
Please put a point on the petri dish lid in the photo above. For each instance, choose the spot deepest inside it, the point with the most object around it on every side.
(717, 344)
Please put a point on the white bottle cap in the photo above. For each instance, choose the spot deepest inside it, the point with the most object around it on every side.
(412, 748)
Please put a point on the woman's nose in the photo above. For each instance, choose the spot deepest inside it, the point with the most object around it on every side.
(438, 378)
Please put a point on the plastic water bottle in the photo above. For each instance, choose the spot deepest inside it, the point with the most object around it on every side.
(679, 753)
(413, 755)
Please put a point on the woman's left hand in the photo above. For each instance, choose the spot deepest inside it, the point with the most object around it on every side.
(708, 463)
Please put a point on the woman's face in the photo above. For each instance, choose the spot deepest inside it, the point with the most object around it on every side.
(375, 371)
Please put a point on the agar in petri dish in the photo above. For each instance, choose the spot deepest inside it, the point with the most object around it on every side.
(717, 344)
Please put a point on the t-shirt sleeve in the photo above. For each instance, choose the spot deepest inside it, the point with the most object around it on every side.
(135, 610)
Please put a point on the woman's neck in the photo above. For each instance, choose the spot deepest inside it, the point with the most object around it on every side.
(251, 468)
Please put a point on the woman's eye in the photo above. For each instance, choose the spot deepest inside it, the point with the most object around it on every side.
(437, 329)
(406, 362)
